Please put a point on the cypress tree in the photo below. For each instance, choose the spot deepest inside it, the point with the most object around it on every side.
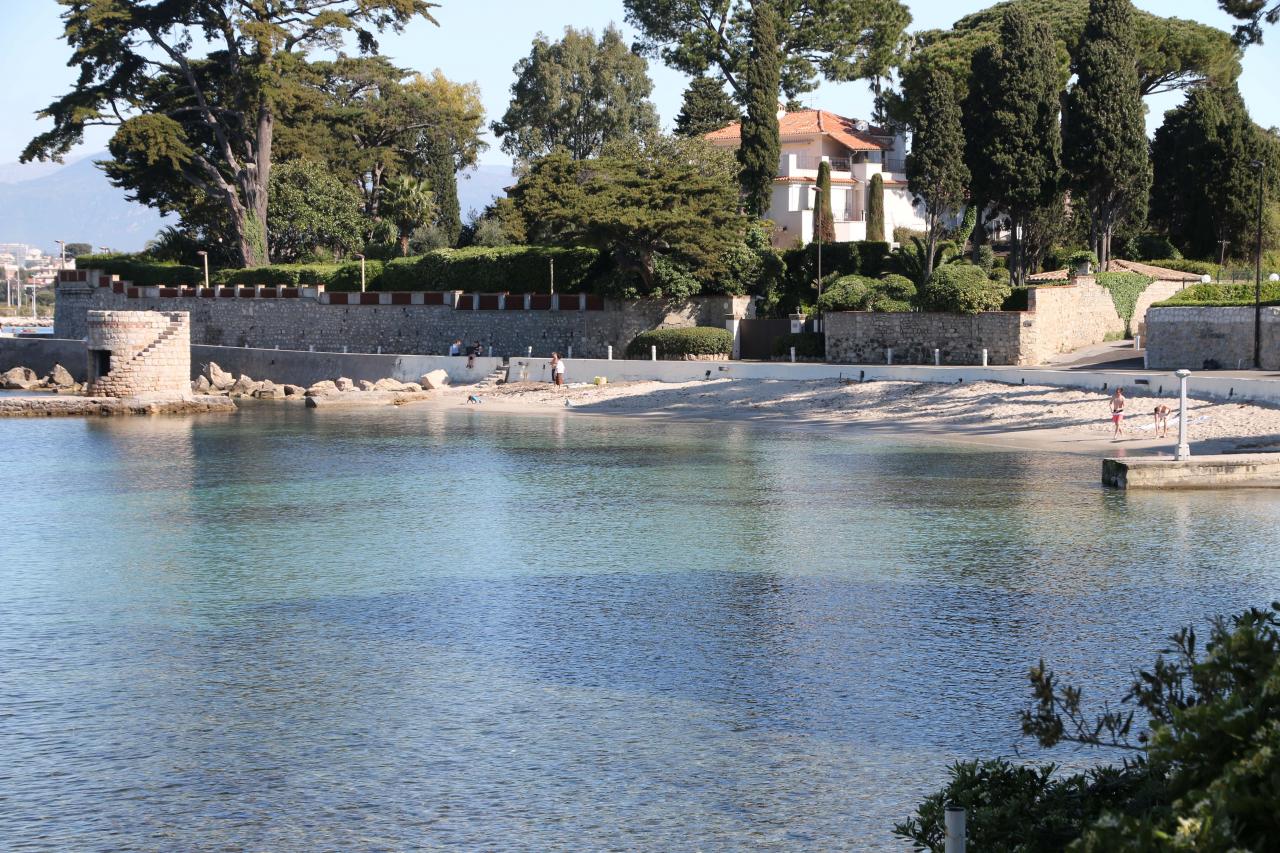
(826, 220)
(1013, 141)
(1104, 137)
(439, 172)
(1205, 186)
(758, 154)
(875, 209)
(936, 173)
(706, 108)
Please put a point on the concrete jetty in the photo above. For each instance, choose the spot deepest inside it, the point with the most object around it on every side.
(1225, 471)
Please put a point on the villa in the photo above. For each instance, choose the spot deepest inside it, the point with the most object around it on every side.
(856, 151)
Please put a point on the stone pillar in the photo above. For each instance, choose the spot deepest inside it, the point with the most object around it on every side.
(734, 325)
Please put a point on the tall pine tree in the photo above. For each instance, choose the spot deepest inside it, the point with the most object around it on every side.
(1013, 141)
(1104, 137)
(936, 173)
(706, 108)
(761, 146)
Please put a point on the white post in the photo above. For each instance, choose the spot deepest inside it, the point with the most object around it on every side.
(984, 358)
(344, 347)
(653, 353)
(888, 355)
(570, 355)
(1137, 341)
(311, 348)
(277, 346)
(610, 356)
(379, 349)
(1184, 449)
(529, 352)
(490, 350)
(954, 830)
(793, 355)
(937, 357)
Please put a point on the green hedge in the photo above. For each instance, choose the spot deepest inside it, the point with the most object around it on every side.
(346, 278)
(142, 271)
(494, 269)
(1186, 265)
(1221, 295)
(807, 344)
(674, 343)
(288, 275)
(859, 293)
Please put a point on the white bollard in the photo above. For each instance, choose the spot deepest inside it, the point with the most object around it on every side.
(570, 355)
(277, 346)
(311, 348)
(490, 350)
(610, 357)
(984, 358)
(1137, 341)
(379, 349)
(937, 357)
(529, 352)
(344, 348)
(954, 830)
(793, 355)
(888, 355)
(653, 353)
(1184, 449)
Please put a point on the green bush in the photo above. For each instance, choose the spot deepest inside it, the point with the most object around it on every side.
(1150, 246)
(287, 275)
(963, 289)
(985, 257)
(1125, 288)
(859, 293)
(514, 269)
(346, 278)
(807, 344)
(141, 270)
(679, 342)
(1221, 295)
(1186, 265)
(1017, 300)
(873, 257)
(399, 274)
(1080, 257)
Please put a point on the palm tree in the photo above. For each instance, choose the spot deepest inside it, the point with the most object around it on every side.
(408, 202)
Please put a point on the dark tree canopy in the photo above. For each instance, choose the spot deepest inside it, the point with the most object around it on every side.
(1253, 13)
(834, 39)
(706, 108)
(577, 94)
(1013, 142)
(1205, 184)
(1104, 131)
(1171, 53)
(761, 144)
(195, 123)
(936, 172)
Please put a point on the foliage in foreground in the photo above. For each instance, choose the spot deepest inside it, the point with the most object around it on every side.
(675, 343)
(859, 293)
(963, 289)
(1204, 773)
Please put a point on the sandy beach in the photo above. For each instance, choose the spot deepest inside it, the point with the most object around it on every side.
(1021, 416)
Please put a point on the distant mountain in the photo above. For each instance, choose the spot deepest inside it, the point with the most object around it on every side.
(75, 203)
(41, 203)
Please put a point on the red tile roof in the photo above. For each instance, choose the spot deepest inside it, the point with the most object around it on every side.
(809, 122)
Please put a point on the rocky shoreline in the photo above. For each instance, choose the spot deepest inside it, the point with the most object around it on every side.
(327, 394)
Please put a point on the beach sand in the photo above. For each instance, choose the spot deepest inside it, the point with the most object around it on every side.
(1020, 416)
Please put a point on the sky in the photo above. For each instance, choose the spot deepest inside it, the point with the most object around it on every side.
(480, 41)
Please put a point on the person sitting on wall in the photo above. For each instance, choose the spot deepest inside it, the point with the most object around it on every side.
(455, 348)
(473, 355)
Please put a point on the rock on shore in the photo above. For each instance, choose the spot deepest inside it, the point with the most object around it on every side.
(25, 379)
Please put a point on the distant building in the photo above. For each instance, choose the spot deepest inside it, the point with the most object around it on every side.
(856, 152)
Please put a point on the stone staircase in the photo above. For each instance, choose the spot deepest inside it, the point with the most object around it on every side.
(497, 377)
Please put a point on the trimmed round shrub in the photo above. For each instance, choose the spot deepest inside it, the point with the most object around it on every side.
(682, 342)
(963, 289)
(859, 293)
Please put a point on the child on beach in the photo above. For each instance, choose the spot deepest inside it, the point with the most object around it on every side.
(1117, 413)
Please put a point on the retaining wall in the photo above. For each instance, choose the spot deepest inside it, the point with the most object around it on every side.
(1203, 338)
(1060, 318)
(42, 353)
(413, 323)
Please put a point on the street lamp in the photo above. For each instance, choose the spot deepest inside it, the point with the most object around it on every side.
(32, 288)
(817, 207)
(553, 274)
(1257, 276)
(106, 250)
(1184, 449)
(361, 257)
(204, 256)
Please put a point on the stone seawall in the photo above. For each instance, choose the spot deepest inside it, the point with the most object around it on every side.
(247, 317)
(1208, 338)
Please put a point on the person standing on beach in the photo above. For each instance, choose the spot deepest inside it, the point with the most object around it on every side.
(557, 369)
(1117, 413)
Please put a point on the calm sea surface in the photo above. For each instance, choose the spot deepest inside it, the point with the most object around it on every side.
(467, 631)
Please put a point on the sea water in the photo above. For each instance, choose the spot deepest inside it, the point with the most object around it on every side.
(411, 629)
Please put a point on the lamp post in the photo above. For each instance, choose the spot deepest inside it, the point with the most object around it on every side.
(553, 274)
(1257, 276)
(62, 247)
(817, 231)
(106, 250)
(1222, 256)
(361, 257)
(204, 256)
(1184, 449)
(32, 288)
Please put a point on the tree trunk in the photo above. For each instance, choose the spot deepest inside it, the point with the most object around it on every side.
(930, 247)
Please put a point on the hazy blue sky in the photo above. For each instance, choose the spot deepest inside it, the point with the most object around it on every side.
(481, 40)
